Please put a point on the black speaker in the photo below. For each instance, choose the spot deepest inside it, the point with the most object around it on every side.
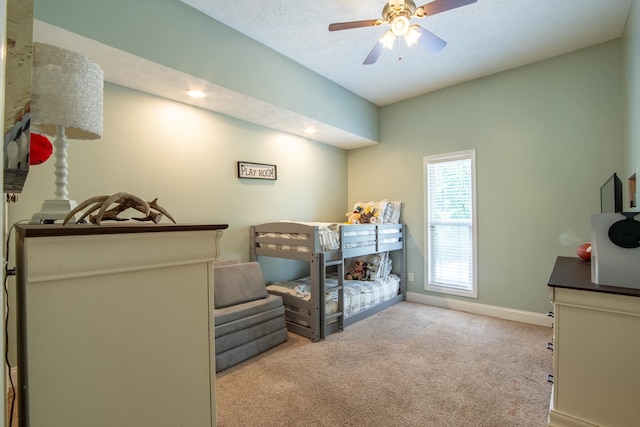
(626, 232)
(615, 249)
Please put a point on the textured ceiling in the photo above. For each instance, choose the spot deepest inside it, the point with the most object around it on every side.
(482, 38)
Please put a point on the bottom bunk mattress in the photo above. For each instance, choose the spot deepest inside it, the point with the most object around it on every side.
(359, 295)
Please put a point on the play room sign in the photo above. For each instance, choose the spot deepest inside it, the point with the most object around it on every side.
(256, 171)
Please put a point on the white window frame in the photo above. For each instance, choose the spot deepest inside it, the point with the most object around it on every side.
(444, 287)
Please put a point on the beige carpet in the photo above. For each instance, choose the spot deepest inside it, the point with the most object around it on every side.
(410, 365)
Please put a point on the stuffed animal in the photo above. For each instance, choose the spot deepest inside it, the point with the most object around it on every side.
(359, 270)
(355, 271)
(368, 218)
(368, 214)
(353, 217)
(366, 272)
(362, 215)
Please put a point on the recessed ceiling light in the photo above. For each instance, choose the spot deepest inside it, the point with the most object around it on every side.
(196, 94)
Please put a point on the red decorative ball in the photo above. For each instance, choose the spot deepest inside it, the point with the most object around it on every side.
(40, 149)
(584, 251)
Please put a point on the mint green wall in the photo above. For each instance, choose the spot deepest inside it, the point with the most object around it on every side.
(632, 104)
(187, 158)
(173, 34)
(547, 136)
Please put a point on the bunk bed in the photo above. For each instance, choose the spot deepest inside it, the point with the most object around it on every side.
(324, 301)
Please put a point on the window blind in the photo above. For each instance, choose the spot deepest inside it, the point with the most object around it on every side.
(450, 223)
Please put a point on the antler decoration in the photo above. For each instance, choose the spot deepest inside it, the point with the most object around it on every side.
(123, 202)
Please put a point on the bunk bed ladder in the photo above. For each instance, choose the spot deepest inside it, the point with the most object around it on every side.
(340, 310)
(252, 244)
(317, 298)
(334, 321)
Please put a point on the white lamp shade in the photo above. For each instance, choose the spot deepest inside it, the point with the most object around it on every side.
(67, 91)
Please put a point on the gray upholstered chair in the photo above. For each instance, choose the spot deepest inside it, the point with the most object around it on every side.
(248, 320)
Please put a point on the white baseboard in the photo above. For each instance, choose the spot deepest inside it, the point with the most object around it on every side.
(484, 309)
(558, 419)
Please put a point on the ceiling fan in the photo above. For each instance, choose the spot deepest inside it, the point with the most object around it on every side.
(398, 14)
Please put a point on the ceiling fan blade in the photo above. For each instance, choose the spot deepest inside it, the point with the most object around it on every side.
(439, 6)
(374, 54)
(429, 41)
(354, 24)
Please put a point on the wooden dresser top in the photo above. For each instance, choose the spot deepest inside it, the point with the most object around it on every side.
(574, 273)
(50, 230)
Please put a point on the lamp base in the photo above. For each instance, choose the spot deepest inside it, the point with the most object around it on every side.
(53, 210)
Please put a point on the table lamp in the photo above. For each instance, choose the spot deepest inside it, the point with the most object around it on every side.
(66, 102)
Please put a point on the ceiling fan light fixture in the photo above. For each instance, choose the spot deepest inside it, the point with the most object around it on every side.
(398, 15)
(400, 25)
(388, 39)
(412, 35)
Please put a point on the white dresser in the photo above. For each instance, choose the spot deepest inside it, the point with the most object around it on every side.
(115, 325)
(596, 351)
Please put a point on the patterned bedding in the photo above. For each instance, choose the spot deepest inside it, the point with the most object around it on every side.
(358, 295)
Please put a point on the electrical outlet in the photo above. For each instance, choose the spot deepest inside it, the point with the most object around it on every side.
(410, 277)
